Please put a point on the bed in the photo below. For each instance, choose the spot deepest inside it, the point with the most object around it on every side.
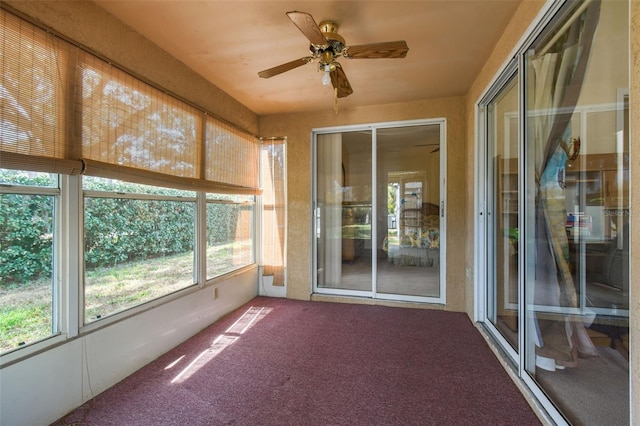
(418, 243)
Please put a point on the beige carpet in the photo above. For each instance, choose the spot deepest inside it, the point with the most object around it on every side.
(596, 392)
(391, 278)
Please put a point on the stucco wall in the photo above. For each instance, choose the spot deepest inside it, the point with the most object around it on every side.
(502, 53)
(297, 128)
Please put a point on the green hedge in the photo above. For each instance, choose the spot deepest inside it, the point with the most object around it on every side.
(122, 230)
(116, 230)
(26, 237)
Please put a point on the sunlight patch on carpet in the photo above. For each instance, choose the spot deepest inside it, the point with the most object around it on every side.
(173, 363)
(220, 343)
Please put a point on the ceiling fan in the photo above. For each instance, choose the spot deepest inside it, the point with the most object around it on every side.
(327, 45)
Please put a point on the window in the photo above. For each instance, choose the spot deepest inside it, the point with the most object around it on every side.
(230, 233)
(150, 161)
(32, 88)
(128, 123)
(28, 232)
(576, 221)
(32, 147)
(232, 156)
(138, 244)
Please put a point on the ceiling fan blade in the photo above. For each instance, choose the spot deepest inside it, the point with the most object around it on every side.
(340, 82)
(285, 67)
(389, 49)
(308, 26)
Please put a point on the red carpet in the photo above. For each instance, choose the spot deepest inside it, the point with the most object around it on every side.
(286, 362)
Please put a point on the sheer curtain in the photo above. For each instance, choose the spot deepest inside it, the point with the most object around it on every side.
(274, 171)
(330, 183)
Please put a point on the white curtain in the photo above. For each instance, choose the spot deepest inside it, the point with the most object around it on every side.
(273, 180)
(330, 176)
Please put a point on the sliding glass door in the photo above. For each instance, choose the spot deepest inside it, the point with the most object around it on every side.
(554, 212)
(502, 212)
(379, 219)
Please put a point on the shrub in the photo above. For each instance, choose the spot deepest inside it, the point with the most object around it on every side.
(26, 237)
(116, 230)
(122, 230)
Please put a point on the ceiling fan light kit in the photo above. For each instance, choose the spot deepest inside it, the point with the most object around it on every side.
(327, 45)
(326, 78)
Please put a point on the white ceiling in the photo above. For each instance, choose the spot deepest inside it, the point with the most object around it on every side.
(229, 42)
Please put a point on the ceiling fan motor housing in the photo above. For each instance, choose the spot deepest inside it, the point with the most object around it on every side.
(335, 44)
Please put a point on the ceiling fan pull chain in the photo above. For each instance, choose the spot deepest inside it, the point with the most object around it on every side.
(335, 100)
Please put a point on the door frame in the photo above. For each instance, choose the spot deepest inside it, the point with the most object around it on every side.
(373, 127)
(483, 271)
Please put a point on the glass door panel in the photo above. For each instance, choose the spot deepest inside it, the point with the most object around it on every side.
(502, 212)
(408, 213)
(577, 211)
(343, 211)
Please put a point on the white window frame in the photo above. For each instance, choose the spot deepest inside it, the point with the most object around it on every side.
(59, 310)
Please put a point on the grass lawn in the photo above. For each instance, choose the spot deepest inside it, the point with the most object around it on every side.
(26, 309)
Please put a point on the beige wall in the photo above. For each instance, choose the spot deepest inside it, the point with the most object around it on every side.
(297, 127)
(504, 50)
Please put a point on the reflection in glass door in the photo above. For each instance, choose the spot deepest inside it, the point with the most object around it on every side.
(408, 193)
(566, 323)
(577, 210)
(502, 212)
(343, 211)
(378, 220)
